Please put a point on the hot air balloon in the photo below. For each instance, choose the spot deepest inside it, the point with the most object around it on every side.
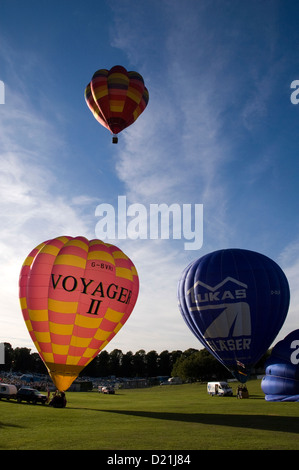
(75, 295)
(116, 98)
(281, 382)
(235, 302)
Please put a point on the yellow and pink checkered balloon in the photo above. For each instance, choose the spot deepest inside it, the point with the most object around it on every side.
(75, 295)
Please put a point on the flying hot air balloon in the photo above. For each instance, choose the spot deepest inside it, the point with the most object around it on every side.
(235, 302)
(75, 295)
(116, 98)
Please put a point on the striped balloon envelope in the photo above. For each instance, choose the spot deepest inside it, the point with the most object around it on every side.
(75, 295)
(116, 98)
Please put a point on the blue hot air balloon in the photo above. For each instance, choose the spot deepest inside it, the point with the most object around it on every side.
(281, 382)
(235, 302)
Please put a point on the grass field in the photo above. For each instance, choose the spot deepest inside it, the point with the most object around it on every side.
(178, 417)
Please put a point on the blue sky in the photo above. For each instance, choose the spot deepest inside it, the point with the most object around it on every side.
(220, 130)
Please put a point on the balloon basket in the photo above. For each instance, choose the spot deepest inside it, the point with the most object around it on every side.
(114, 139)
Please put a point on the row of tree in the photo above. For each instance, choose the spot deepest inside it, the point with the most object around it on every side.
(191, 364)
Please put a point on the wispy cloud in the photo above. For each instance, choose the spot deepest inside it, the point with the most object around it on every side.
(172, 154)
(177, 149)
(32, 208)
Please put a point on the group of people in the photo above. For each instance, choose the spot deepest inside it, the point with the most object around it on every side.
(58, 400)
(242, 391)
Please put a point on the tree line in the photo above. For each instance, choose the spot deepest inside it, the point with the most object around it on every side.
(191, 364)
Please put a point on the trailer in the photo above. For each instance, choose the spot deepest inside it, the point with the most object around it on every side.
(8, 391)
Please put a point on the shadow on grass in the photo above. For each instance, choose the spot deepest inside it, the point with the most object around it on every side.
(9, 425)
(265, 422)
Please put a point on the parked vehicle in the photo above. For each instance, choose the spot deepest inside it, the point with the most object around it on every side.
(108, 390)
(175, 381)
(8, 391)
(219, 388)
(30, 395)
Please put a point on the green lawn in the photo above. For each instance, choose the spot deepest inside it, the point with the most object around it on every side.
(178, 417)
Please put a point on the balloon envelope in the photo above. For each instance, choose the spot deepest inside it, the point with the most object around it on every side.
(235, 302)
(116, 97)
(75, 295)
(281, 382)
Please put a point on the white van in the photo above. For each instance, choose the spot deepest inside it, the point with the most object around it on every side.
(8, 391)
(219, 388)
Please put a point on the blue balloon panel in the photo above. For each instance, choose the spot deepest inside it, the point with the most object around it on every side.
(281, 369)
(275, 385)
(281, 382)
(282, 397)
(235, 302)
